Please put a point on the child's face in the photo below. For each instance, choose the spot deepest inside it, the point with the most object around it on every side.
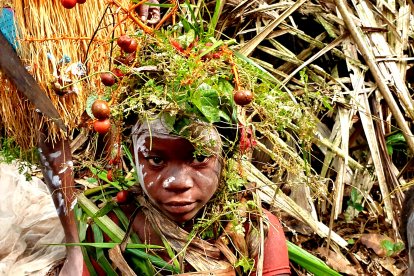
(175, 180)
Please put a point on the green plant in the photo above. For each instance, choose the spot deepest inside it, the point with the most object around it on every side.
(392, 247)
(396, 142)
(355, 200)
(309, 262)
(11, 152)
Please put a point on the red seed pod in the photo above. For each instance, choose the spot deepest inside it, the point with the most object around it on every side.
(124, 41)
(122, 196)
(81, 1)
(109, 175)
(102, 126)
(68, 4)
(243, 97)
(118, 73)
(100, 109)
(132, 47)
(216, 55)
(108, 79)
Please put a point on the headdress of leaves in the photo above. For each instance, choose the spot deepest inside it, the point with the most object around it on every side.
(183, 80)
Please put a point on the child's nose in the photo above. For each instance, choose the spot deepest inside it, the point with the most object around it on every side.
(180, 179)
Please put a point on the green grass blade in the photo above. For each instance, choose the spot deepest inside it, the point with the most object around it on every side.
(155, 260)
(110, 245)
(309, 262)
(88, 263)
(100, 254)
(213, 22)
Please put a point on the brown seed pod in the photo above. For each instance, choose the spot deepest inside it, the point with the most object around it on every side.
(108, 79)
(100, 109)
(118, 73)
(124, 41)
(243, 97)
(102, 126)
(132, 47)
(68, 4)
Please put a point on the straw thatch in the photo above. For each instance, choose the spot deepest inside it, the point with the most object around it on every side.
(51, 41)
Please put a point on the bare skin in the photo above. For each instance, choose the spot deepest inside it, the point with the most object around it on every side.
(178, 183)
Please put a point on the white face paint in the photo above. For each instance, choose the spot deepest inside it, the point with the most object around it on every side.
(61, 204)
(167, 182)
(56, 181)
(55, 154)
(72, 205)
(140, 133)
(43, 157)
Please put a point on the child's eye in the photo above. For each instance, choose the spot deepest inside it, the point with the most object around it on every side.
(155, 160)
(199, 159)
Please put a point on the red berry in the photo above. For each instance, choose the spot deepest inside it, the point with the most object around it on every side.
(216, 55)
(109, 175)
(118, 73)
(102, 126)
(243, 97)
(122, 196)
(132, 47)
(124, 41)
(108, 79)
(81, 1)
(69, 4)
(100, 109)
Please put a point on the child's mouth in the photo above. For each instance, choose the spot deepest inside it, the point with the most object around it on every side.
(179, 207)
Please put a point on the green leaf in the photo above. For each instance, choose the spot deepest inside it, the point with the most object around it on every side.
(109, 205)
(390, 149)
(358, 207)
(100, 254)
(224, 116)
(354, 195)
(387, 245)
(88, 263)
(205, 98)
(213, 47)
(169, 119)
(213, 22)
(309, 262)
(102, 175)
(155, 260)
(89, 101)
(115, 233)
(109, 245)
(397, 138)
(190, 36)
(92, 180)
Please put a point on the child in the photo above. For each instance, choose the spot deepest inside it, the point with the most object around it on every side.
(179, 185)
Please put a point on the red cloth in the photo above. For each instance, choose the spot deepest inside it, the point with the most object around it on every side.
(276, 259)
